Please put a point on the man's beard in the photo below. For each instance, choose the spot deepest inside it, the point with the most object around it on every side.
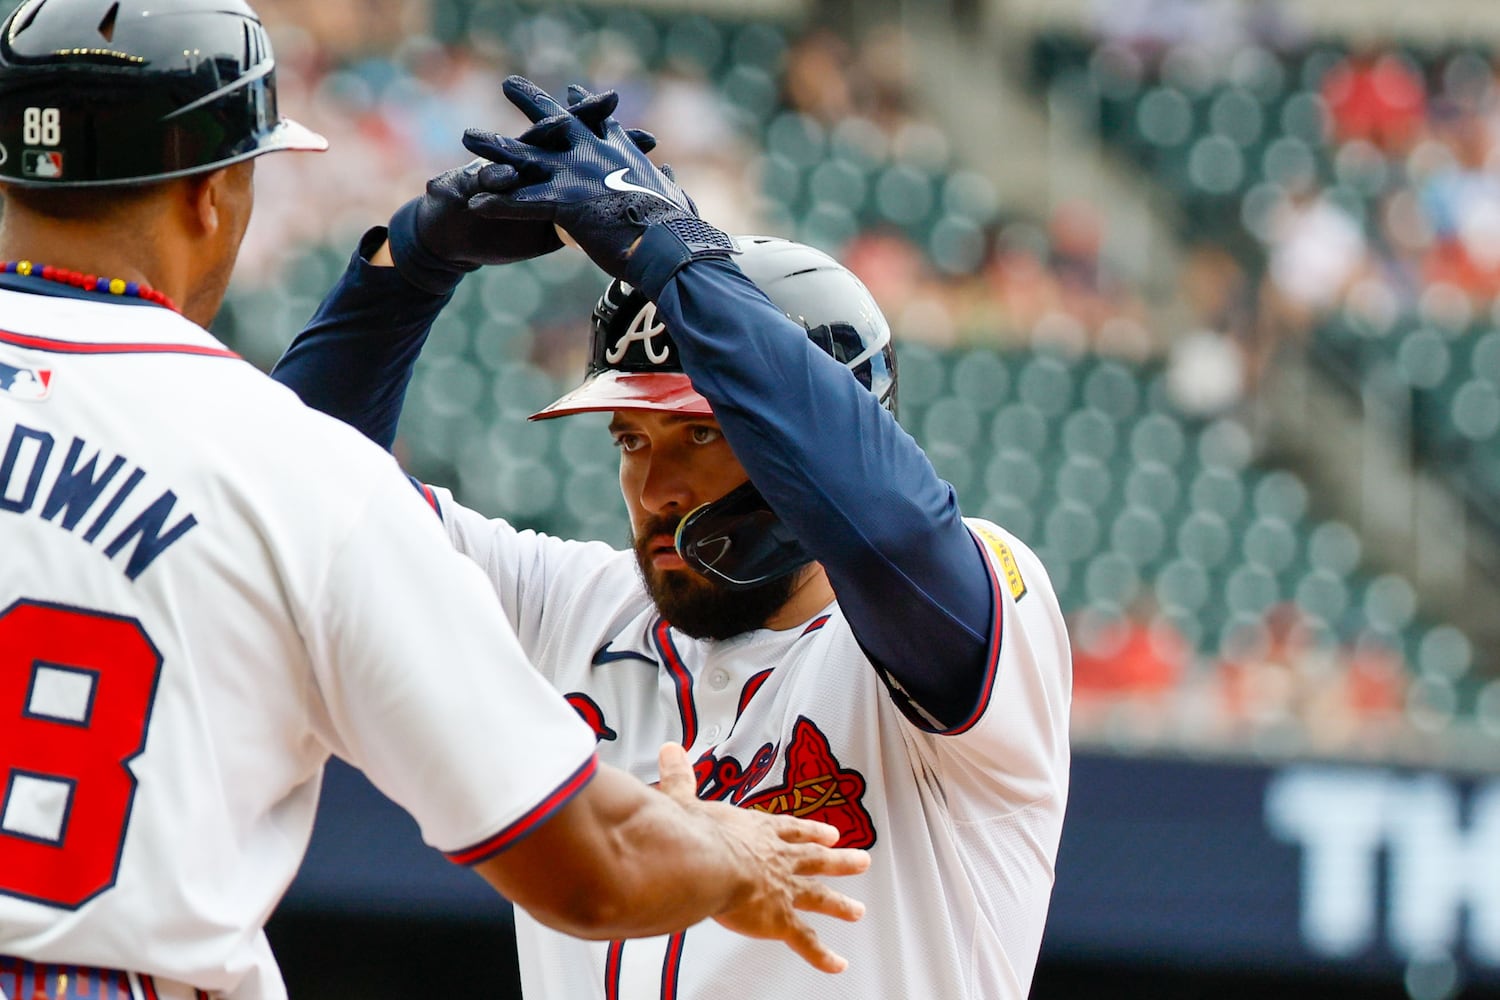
(697, 606)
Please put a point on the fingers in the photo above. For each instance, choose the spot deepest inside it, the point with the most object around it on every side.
(832, 861)
(803, 940)
(503, 206)
(594, 110)
(805, 831)
(644, 141)
(549, 133)
(532, 101)
(676, 770)
(816, 897)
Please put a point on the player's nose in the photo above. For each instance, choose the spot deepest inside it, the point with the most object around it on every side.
(666, 487)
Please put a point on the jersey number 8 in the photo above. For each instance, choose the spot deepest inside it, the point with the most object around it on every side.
(76, 689)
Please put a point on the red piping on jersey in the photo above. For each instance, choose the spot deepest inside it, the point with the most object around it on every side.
(815, 624)
(683, 681)
(612, 962)
(671, 965)
(996, 630)
(751, 688)
(70, 347)
(526, 824)
(148, 986)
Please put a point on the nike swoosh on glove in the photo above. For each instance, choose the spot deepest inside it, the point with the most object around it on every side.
(578, 168)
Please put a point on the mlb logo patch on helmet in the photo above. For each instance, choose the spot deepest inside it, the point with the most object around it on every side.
(43, 164)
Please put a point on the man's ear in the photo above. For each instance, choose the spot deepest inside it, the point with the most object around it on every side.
(205, 200)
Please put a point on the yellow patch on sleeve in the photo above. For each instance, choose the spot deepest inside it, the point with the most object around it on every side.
(1007, 560)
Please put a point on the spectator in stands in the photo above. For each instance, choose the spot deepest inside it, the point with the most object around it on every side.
(1375, 94)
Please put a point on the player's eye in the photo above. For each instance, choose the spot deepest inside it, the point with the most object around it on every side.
(629, 442)
(704, 434)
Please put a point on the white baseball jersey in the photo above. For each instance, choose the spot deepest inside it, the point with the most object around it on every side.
(963, 826)
(206, 588)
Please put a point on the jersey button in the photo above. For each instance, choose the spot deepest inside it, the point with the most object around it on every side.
(718, 679)
(712, 732)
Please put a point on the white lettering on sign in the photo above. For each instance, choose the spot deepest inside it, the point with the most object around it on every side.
(1347, 822)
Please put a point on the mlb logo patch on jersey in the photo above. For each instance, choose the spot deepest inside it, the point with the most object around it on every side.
(29, 384)
(46, 163)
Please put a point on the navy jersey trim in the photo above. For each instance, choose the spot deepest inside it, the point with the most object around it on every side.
(539, 814)
(997, 635)
(73, 347)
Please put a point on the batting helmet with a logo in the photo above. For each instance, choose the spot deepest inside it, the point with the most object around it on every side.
(103, 92)
(633, 362)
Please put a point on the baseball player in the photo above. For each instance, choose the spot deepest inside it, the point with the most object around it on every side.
(803, 606)
(207, 588)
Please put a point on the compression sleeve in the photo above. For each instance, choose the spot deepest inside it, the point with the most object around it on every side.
(354, 358)
(853, 486)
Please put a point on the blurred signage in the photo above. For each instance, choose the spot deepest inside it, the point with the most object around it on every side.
(1311, 867)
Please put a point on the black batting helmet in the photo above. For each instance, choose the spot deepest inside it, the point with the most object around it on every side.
(104, 92)
(633, 362)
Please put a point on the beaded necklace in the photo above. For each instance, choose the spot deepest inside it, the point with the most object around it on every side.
(87, 282)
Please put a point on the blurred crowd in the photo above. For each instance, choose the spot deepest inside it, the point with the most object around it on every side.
(393, 84)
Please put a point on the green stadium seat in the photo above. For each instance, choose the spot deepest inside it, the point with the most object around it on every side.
(1112, 389)
(1217, 491)
(1322, 593)
(1154, 486)
(1089, 432)
(1205, 538)
(1138, 534)
(1251, 590)
(1237, 115)
(1070, 530)
(1046, 383)
(1271, 544)
(1017, 425)
(1158, 438)
(1445, 652)
(1164, 117)
(951, 421)
(981, 378)
(924, 376)
(838, 182)
(1085, 480)
(903, 194)
(1183, 585)
(1280, 494)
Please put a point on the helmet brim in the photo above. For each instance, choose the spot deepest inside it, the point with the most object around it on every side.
(288, 134)
(614, 390)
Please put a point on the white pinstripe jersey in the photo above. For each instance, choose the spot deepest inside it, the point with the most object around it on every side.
(963, 826)
(206, 588)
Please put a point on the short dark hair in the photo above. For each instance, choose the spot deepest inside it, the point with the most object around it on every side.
(74, 203)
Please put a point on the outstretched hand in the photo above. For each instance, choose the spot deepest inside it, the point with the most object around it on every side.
(786, 854)
(579, 168)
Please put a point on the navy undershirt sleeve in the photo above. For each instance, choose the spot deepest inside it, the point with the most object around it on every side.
(354, 358)
(854, 487)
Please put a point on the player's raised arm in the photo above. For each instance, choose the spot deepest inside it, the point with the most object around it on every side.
(856, 491)
(641, 862)
(354, 358)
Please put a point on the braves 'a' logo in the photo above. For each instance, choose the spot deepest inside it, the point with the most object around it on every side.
(816, 787)
(643, 328)
(589, 709)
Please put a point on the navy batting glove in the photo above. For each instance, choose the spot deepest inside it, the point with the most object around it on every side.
(580, 169)
(435, 240)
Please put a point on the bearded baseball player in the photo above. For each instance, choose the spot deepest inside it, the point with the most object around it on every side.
(207, 588)
(802, 606)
